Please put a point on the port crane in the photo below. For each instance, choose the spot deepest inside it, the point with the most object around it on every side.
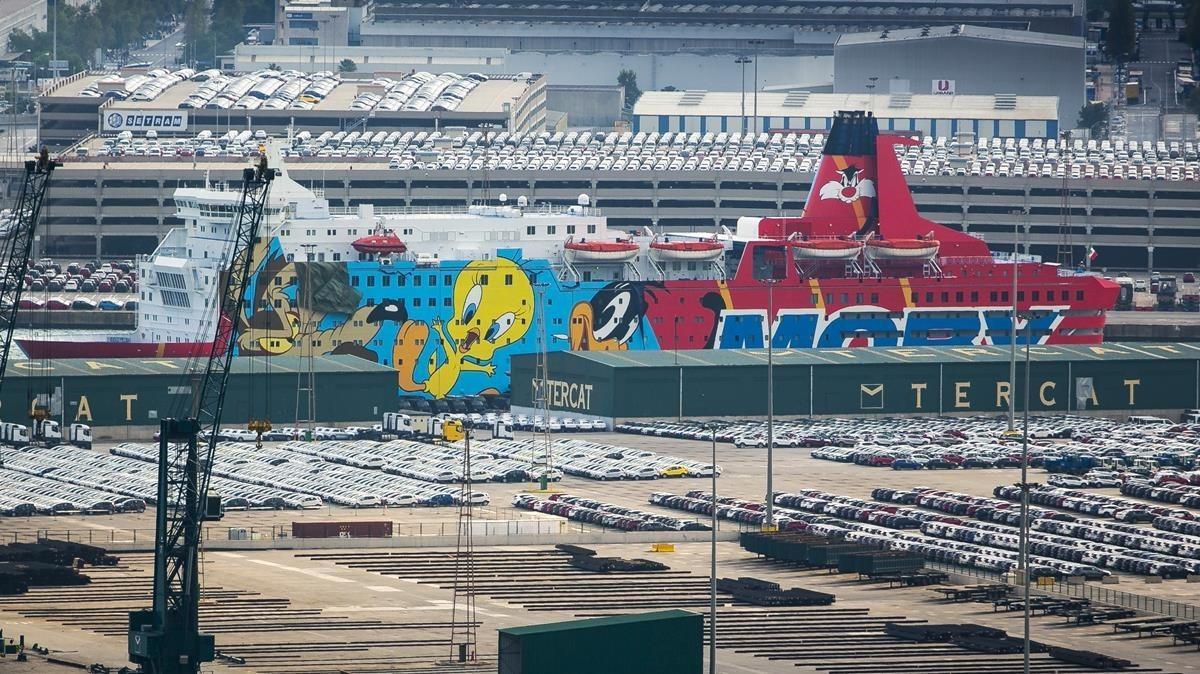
(16, 255)
(166, 639)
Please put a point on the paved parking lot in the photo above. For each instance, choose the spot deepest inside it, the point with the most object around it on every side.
(325, 598)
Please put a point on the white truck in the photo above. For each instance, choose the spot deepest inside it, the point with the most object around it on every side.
(13, 435)
(50, 432)
(397, 425)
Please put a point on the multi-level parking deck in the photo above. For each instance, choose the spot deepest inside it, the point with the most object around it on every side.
(121, 207)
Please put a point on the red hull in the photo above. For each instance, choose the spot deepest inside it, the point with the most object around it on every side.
(36, 349)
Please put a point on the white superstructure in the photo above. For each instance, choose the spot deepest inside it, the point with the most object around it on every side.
(180, 279)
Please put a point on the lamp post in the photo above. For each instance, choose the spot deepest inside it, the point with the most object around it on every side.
(742, 61)
(756, 44)
(770, 282)
(1023, 557)
(712, 587)
(1012, 346)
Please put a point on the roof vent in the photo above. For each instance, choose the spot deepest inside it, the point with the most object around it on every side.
(900, 100)
(796, 99)
(1004, 102)
(692, 97)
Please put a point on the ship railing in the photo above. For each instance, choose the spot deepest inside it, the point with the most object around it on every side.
(966, 260)
(537, 209)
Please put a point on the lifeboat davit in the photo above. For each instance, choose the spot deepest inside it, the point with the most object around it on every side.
(380, 243)
(828, 249)
(903, 249)
(600, 251)
(705, 251)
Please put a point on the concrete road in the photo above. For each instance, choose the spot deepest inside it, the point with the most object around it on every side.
(160, 52)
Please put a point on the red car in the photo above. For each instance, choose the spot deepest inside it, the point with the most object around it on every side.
(57, 304)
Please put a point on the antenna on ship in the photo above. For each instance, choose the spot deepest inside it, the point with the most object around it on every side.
(1066, 247)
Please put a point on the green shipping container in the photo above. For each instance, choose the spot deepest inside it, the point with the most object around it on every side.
(662, 642)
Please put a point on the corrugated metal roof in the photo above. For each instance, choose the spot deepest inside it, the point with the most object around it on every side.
(960, 31)
(589, 623)
(889, 355)
(778, 104)
(124, 367)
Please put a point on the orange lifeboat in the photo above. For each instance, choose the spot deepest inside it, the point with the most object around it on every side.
(704, 251)
(827, 249)
(903, 249)
(380, 243)
(600, 251)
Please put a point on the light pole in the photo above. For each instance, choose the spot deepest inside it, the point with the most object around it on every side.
(712, 586)
(742, 61)
(1012, 347)
(770, 521)
(756, 44)
(1023, 557)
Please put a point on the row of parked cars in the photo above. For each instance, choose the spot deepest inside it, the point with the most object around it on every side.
(316, 479)
(87, 277)
(130, 484)
(591, 511)
(440, 464)
(1100, 505)
(23, 494)
(595, 460)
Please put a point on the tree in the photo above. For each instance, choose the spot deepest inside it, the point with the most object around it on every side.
(1094, 118)
(1121, 40)
(1193, 101)
(628, 79)
(1191, 33)
(347, 66)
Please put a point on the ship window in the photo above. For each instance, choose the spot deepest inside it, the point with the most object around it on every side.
(433, 280)
(416, 301)
(828, 298)
(570, 229)
(551, 229)
(994, 296)
(1078, 295)
(530, 230)
(1004, 296)
(845, 298)
(1020, 295)
(945, 297)
(446, 280)
(278, 280)
(446, 303)
(1035, 296)
(483, 279)
(915, 295)
(354, 280)
(591, 229)
(401, 280)
(858, 298)
(974, 296)
(929, 298)
(874, 298)
(416, 279)
(278, 304)
(337, 257)
(958, 296)
(433, 301)
(370, 281)
(508, 279)
(816, 299)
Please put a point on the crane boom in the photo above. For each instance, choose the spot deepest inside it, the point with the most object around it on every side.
(20, 245)
(167, 639)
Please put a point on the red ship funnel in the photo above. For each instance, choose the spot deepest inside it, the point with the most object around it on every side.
(843, 198)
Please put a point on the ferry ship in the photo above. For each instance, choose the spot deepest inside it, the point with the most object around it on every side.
(446, 296)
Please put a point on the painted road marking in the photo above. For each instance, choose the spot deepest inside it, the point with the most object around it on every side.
(383, 588)
(307, 572)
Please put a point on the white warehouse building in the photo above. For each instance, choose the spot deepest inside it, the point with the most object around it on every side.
(928, 114)
(964, 59)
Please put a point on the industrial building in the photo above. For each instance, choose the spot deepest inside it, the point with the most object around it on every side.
(513, 102)
(682, 44)
(929, 114)
(119, 207)
(132, 392)
(622, 385)
(964, 59)
(310, 22)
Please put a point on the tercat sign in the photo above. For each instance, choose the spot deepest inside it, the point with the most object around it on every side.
(145, 120)
(943, 87)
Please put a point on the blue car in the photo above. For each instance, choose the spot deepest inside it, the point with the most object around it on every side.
(110, 305)
(906, 464)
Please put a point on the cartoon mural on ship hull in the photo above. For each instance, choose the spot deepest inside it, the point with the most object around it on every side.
(451, 329)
